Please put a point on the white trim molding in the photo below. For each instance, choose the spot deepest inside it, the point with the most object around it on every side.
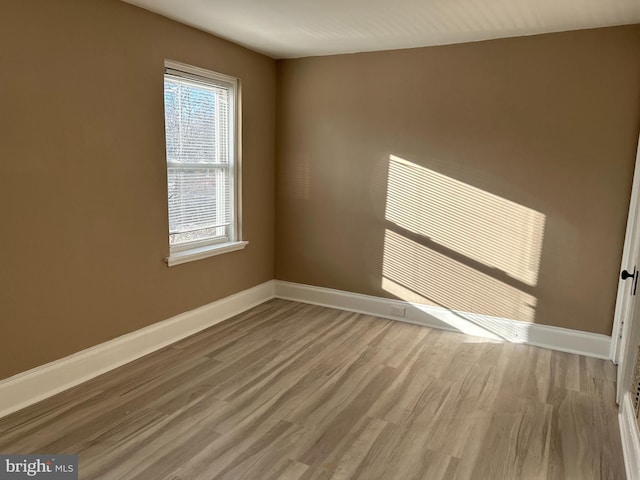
(178, 258)
(630, 437)
(554, 338)
(34, 385)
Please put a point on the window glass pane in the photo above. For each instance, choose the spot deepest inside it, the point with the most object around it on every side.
(196, 122)
(199, 156)
(199, 203)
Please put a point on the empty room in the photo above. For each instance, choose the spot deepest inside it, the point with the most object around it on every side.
(273, 239)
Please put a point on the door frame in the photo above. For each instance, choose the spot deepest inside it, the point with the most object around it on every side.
(620, 331)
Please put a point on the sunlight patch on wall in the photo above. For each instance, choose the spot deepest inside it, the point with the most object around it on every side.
(479, 225)
(482, 327)
(418, 274)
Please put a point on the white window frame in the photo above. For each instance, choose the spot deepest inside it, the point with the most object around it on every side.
(192, 251)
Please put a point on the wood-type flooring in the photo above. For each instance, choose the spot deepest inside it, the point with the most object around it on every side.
(298, 392)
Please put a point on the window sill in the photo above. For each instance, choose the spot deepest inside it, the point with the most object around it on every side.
(203, 252)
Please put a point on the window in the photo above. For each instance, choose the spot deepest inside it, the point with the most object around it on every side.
(202, 166)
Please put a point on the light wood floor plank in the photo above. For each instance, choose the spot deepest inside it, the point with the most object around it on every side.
(300, 392)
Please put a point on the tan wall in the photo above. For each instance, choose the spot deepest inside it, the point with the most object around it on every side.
(373, 150)
(83, 172)
(490, 177)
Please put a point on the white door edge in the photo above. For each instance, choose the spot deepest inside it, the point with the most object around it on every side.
(623, 301)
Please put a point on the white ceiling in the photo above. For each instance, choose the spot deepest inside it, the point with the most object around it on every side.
(300, 28)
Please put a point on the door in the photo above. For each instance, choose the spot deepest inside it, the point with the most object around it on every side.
(623, 346)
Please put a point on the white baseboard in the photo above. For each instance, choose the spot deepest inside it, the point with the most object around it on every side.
(41, 382)
(630, 438)
(554, 338)
(34, 385)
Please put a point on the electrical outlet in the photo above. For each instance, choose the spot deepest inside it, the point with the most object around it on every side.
(397, 311)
